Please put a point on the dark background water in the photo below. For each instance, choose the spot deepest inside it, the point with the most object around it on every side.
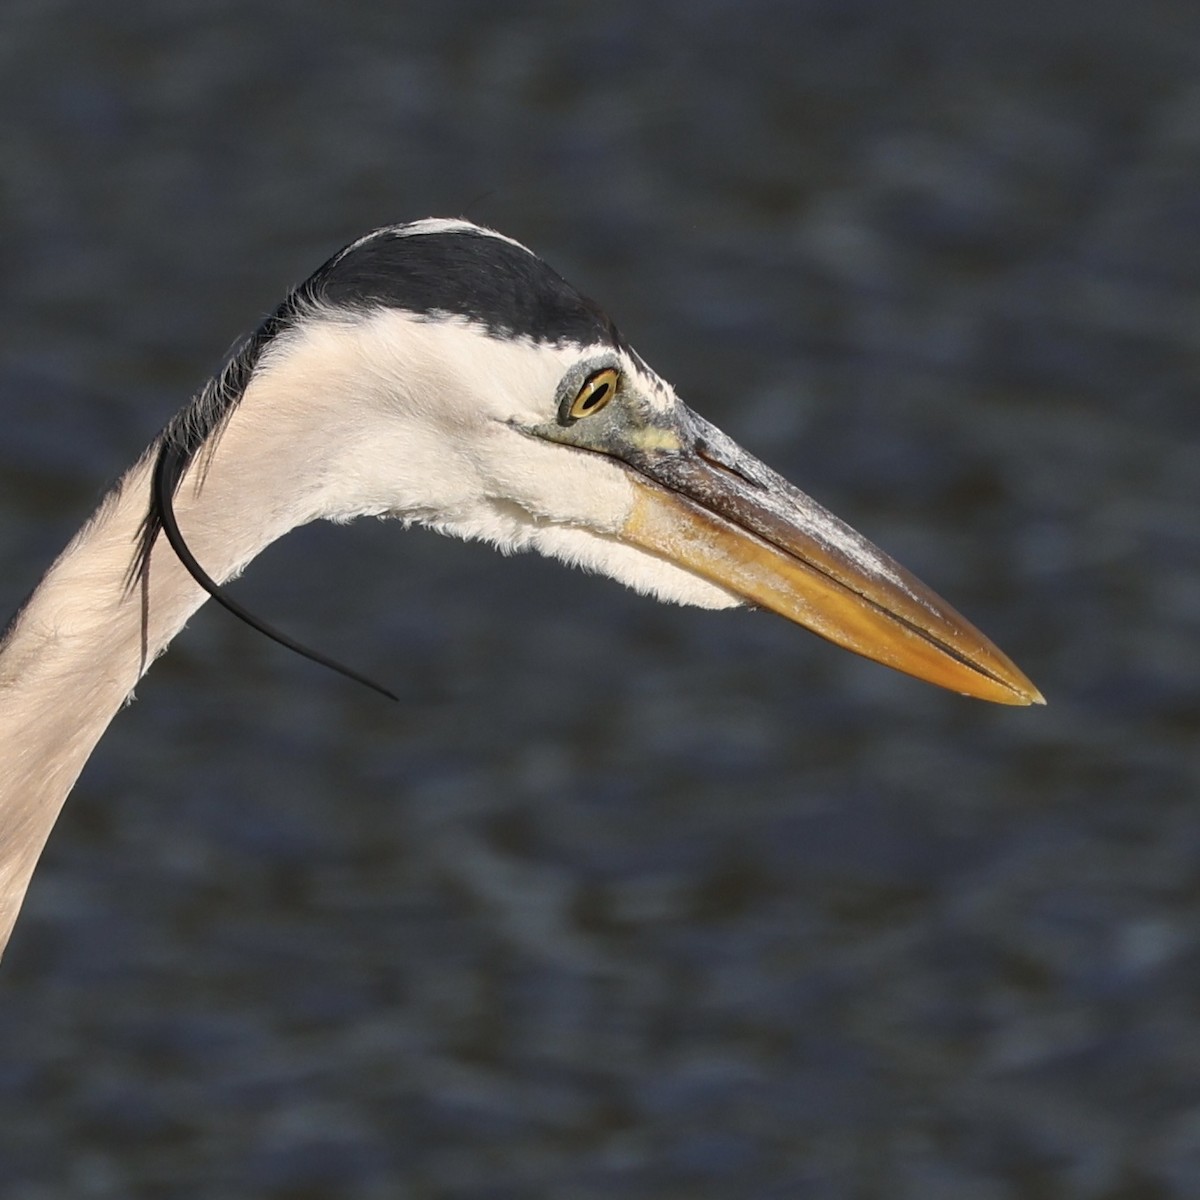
(625, 900)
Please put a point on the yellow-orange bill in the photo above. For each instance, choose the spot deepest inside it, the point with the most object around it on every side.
(792, 557)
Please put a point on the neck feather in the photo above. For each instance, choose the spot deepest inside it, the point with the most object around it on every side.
(75, 651)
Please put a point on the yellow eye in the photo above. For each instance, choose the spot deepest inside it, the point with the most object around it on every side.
(595, 394)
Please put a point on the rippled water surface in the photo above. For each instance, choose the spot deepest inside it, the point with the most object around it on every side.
(624, 900)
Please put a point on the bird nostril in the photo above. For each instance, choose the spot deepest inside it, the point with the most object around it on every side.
(705, 452)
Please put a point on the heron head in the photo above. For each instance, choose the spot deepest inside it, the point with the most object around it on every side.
(475, 391)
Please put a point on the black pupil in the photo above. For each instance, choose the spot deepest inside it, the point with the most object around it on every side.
(595, 397)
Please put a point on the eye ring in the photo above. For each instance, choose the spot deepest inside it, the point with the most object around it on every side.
(597, 390)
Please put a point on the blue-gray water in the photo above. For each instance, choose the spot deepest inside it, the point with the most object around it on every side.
(622, 900)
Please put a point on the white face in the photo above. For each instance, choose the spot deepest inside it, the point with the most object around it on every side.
(430, 416)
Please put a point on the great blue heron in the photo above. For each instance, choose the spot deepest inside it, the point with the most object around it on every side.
(443, 374)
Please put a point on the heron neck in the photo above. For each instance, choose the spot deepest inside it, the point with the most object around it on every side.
(73, 654)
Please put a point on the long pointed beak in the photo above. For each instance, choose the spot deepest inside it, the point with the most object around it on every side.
(720, 513)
